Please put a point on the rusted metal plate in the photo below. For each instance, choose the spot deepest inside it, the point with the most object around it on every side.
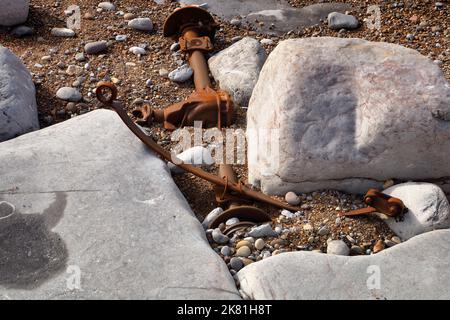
(243, 213)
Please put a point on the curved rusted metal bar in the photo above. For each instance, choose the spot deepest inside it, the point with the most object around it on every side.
(108, 99)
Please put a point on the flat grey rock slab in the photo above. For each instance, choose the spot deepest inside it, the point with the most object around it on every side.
(13, 12)
(416, 269)
(277, 16)
(236, 68)
(18, 108)
(347, 114)
(98, 216)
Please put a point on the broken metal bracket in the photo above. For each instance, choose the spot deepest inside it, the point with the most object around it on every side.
(380, 202)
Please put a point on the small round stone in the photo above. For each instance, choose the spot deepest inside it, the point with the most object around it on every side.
(107, 6)
(175, 47)
(218, 237)
(69, 94)
(243, 243)
(128, 16)
(356, 250)
(62, 32)
(141, 24)
(121, 37)
(323, 231)
(292, 198)
(226, 251)
(338, 247)
(236, 263)
(95, 47)
(243, 251)
(259, 244)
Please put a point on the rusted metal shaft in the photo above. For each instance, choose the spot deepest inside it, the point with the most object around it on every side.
(198, 63)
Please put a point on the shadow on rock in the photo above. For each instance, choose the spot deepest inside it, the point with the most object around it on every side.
(30, 253)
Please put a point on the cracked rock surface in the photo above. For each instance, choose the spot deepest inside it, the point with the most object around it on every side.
(98, 216)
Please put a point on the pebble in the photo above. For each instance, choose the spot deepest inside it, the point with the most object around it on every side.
(22, 31)
(338, 221)
(287, 214)
(338, 20)
(175, 47)
(236, 263)
(235, 39)
(129, 16)
(226, 251)
(278, 229)
(137, 51)
(107, 6)
(266, 42)
(356, 250)
(308, 227)
(141, 24)
(292, 198)
(148, 83)
(80, 57)
(243, 251)
(250, 239)
(121, 37)
(243, 243)
(163, 72)
(388, 183)
(181, 74)
(235, 22)
(69, 94)
(95, 47)
(46, 58)
(63, 32)
(74, 70)
(337, 247)
(259, 244)
(396, 239)
(264, 230)
(410, 37)
(323, 231)
(218, 237)
(247, 261)
(231, 221)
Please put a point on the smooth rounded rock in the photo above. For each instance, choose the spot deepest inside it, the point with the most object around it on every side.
(137, 51)
(219, 237)
(243, 243)
(236, 263)
(243, 251)
(338, 247)
(259, 244)
(22, 31)
(107, 6)
(181, 74)
(69, 94)
(63, 32)
(141, 24)
(226, 251)
(292, 198)
(95, 47)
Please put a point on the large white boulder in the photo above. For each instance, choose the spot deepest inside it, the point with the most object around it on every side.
(98, 216)
(428, 209)
(347, 114)
(18, 109)
(13, 12)
(237, 68)
(416, 269)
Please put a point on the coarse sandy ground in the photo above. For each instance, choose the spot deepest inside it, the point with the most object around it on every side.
(430, 27)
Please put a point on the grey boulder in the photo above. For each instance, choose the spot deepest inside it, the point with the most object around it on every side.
(416, 269)
(347, 114)
(236, 69)
(98, 216)
(18, 109)
(13, 12)
(428, 209)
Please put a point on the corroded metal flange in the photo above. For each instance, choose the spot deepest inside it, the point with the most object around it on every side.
(190, 17)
